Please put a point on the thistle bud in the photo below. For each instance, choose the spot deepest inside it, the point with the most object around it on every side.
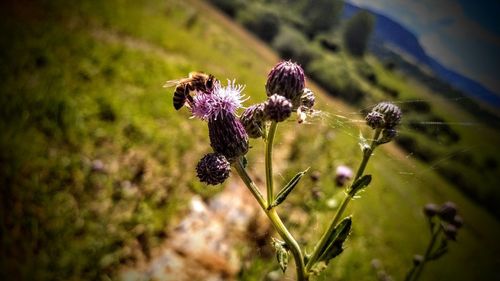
(387, 136)
(228, 136)
(375, 120)
(418, 259)
(286, 79)
(450, 231)
(391, 112)
(431, 210)
(253, 120)
(457, 221)
(277, 108)
(448, 211)
(213, 169)
(307, 98)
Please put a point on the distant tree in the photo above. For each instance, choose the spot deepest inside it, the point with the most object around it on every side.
(320, 15)
(357, 33)
(230, 7)
(292, 44)
(261, 20)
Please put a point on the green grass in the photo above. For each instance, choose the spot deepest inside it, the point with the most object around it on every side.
(82, 82)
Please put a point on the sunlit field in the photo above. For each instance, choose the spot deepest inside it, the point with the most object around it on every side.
(98, 168)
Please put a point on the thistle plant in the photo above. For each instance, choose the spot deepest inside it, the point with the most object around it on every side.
(444, 223)
(229, 138)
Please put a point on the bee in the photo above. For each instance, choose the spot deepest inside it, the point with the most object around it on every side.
(196, 81)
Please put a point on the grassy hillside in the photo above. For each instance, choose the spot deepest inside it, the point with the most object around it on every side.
(97, 165)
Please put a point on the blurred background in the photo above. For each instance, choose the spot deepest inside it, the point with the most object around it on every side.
(97, 169)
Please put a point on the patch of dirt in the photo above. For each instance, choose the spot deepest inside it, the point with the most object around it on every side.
(203, 245)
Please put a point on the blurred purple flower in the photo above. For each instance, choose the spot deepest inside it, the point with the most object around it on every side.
(342, 175)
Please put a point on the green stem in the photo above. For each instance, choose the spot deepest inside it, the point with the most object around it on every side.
(269, 161)
(276, 222)
(324, 239)
(420, 268)
(250, 184)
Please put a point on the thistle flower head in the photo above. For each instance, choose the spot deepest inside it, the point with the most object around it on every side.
(307, 98)
(277, 108)
(213, 169)
(431, 210)
(286, 79)
(253, 120)
(387, 136)
(375, 120)
(392, 114)
(457, 221)
(221, 100)
(450, 231)
(228, 136)
(448, 211)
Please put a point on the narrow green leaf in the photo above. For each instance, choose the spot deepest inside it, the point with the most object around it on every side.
(336, 240)
(360, 184)
(285, 191)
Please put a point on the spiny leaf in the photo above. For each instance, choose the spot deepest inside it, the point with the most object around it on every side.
(282, 195)
(336, 240)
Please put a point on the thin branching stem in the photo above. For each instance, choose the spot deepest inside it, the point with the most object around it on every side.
(269, 161)
(343, 205)
(250, 184)
(276, 222)
(419, 269)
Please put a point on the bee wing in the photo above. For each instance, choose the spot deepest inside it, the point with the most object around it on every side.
(171, 83)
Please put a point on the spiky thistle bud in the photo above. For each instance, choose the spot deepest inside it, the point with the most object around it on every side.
(448, 211)
(418, 259)
(307, 99)
(387, 136)
(431, 210)
(227, 134)
(457, 221)
(213, 169)
(391, 112)
(277, 108)
(286, 79)
(253, 120)
(375, 120)
(450, 231)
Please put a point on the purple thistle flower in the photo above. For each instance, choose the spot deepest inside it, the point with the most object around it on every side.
(221, 100)
(218, 107)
